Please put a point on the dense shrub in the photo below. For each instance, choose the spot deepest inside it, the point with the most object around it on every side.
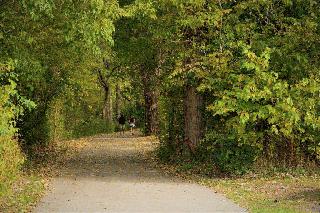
(229, 153)
(92, 126)
(70, 118)
(11, 105)
(260, 105)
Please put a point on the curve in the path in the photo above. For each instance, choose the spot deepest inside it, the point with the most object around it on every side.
(113, 174)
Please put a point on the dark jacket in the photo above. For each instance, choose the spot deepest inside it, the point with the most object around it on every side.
(122, 120)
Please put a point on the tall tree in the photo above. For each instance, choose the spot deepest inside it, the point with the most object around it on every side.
(133, 44)
(48, 48)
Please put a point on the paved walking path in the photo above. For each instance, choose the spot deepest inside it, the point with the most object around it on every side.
(114, 174)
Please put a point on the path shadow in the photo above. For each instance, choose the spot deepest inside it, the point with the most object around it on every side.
(112, 158)
(117, 175)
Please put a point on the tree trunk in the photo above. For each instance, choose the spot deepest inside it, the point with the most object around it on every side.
(154, 113)
(193, 118)
(147, 112)
(150, 92)
(150, 109)
(117, 104)
(107, 109)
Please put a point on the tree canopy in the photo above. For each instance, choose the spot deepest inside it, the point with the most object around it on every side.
(221, 81)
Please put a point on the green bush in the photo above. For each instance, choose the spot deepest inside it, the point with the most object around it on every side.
(93, 126)
(229, 154)
(165, 152)
(261, 104)
(11, 105)
(11, 160)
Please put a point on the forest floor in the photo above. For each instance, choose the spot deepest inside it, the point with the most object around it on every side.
(116, 173)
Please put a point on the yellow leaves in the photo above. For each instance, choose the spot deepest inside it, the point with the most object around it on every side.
(7, 67)
(97, 5)
(244, 117)
(251, 56)
(219, 60)
(274, 129)
(141, 8)
(11, 159)
(241, 78)
(289, 101)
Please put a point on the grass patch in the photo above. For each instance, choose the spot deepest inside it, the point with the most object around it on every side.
(30, 185)
(280, 193)
(24, 194)
(269, 191)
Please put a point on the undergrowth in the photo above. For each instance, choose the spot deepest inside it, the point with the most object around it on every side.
(262, 189)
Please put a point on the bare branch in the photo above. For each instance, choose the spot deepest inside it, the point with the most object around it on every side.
(102, 80)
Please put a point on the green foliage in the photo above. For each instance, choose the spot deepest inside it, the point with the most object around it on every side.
(53, 51)
(11, 106)
(165, 152)
(229, 153)
(22, 200)
(136, 111)
(59, 43)
(92, 127)
(11, 160)
(256, 63)
(261, 97)
(171, 123)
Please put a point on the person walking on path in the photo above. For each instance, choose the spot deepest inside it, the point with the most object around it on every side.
(132, 123)
(122, 122)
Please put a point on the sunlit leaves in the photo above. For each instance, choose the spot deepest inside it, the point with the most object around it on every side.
(262, 95)
(38, 7)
